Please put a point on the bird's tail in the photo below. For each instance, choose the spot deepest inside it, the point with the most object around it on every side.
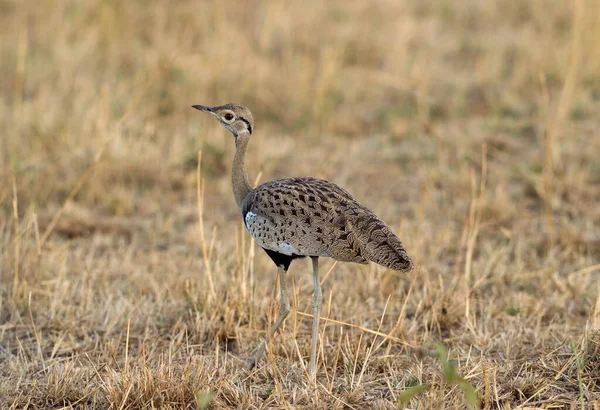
(382, 246)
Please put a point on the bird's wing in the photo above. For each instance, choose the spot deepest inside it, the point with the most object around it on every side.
(304, 216)
(314, 217)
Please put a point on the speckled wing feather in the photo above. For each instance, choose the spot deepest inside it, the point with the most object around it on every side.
(314, 217)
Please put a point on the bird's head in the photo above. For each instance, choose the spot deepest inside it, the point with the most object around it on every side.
(236, 118)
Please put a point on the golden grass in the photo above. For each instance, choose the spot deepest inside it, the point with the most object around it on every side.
(471, 127)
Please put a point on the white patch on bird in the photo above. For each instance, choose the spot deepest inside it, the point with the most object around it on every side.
(287, 249)
(249, 217)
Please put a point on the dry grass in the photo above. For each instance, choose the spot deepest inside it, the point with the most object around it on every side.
(471, 127)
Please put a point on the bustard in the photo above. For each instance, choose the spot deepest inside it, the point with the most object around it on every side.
(296, 217)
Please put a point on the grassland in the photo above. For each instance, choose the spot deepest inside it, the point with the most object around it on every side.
(470, 127)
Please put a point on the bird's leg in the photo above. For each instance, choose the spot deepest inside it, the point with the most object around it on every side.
(316, 305)
(284, 310)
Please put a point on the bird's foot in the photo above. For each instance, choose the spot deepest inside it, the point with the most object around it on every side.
(251, 363)
(260, 350)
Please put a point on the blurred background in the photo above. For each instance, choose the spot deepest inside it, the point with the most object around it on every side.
(409, 80)
(471, 127)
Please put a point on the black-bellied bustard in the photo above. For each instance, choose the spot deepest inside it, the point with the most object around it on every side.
(296, 217)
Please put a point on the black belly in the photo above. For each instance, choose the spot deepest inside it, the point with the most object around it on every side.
(282, 260)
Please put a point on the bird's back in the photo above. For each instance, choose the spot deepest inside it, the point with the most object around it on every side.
(314, 217)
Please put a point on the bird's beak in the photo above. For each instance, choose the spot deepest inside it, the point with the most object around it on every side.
(203, 108)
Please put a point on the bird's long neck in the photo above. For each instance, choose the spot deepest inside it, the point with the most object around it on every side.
(239, 174)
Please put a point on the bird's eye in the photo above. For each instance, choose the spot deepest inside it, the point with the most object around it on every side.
(228, 116)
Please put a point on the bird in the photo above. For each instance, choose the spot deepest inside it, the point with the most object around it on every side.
(292, 218)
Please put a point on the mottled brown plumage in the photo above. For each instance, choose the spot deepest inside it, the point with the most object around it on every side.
(318, 218)
(297, 217)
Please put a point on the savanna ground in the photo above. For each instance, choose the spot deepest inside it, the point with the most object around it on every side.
(470, 127)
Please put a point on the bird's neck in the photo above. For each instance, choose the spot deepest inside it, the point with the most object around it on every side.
(239, 174)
